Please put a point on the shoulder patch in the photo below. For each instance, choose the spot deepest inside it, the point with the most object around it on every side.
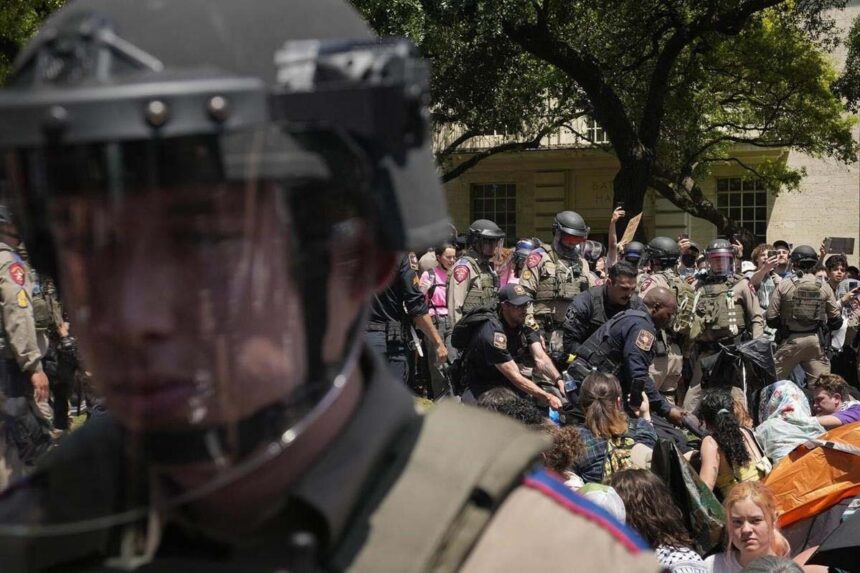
(415, 280)
(531, 323)
(533, 260)
(644, 340)
(461, 273)
(22, 299)
(553, 488)
(500, 341)
(413, 261)
(646, 283)
(18, 274)
(527, 275)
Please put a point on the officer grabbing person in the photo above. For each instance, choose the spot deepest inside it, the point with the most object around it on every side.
(804, 311)
(498, 348)
(726, 312)
(624, 346)
(591, 309)
(474, 283)
(394, 315)
(555, 274)
(218, 214)
(662, 254)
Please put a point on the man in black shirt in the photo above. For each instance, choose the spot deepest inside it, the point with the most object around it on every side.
(598, 304)
(492, 354)
(388, 329)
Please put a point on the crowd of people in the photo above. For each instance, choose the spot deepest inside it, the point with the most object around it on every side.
(735, 362)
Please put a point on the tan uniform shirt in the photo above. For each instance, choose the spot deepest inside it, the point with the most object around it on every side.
(832, 309)
(19, 326)
(462, 278)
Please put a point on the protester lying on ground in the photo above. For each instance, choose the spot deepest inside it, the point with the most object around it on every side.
(729, 453)
(833, 404)
(786, 420)
(652, 512)
(611, 438)
(751, 530)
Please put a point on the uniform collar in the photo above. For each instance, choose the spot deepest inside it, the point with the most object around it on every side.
(335, 482)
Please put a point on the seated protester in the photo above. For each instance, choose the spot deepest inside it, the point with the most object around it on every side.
(610, 436)
(729, 454)
(785, 420)
(773, 564)
(833, 404)
(653, 513)
(751, 530)
(490, 356)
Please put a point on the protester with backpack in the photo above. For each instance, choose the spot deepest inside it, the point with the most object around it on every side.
(613, 440)
(491, 341)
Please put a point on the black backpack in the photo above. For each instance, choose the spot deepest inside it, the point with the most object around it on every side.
(462, 335)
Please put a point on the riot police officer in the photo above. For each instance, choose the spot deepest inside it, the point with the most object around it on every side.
(590, 310)
(492, 357)
(804, 310)
(218, 216)
(473, 281)
(726, 312)
(624, 346)
(556, 274)
(662, 254)
(393, 312)
(633, 252)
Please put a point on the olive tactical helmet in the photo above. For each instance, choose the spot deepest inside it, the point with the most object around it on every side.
(663, 250)
(804, 256)
(228, 136)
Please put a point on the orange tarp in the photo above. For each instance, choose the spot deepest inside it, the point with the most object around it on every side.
(806, 482)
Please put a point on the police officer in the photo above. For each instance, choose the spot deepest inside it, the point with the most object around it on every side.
(726, 311)
(473, 282)
(662, 254)
(803, 309)
(590, 310)
(393, 312)
(633, 252)
(220, 216)
(556, 274)
(491, 358)
(624, 346)
(23, 382)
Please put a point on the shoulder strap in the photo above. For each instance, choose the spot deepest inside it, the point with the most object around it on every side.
(448, 491)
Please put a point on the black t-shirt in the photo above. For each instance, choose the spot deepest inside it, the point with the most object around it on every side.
(496, 343)
(403, 291)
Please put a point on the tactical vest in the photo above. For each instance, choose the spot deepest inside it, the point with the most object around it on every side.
(685, 296)
(718, 312)
(483, 286)
(598, 314)
(560, 280)
(803, 304)
(41, 307)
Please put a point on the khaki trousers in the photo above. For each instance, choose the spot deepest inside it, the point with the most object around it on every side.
(804, 349)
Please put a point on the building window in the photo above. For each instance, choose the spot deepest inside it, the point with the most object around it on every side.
(596, 134)
(498, 203)
(745, 202)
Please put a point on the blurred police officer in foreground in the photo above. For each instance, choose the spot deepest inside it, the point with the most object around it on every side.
(218, 215)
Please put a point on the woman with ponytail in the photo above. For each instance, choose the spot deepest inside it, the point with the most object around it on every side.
(751, 530)
(730, 454)
(608, 428)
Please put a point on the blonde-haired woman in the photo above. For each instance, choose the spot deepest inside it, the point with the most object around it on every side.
(751, 529)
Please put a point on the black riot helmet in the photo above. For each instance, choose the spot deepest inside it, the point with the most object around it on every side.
(804, 257)
(664, 251)
(569, 234)
(721, 257)
(200, 197)
(485, 237)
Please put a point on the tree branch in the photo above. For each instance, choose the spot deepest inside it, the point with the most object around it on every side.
(476, 158)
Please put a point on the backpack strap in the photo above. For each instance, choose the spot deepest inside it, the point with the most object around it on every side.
(464, 464)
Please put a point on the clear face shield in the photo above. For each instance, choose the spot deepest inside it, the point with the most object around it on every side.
(488, 247)
(721, 263)
(214, 284)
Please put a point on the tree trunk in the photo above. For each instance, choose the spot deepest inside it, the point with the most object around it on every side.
(629, 187)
